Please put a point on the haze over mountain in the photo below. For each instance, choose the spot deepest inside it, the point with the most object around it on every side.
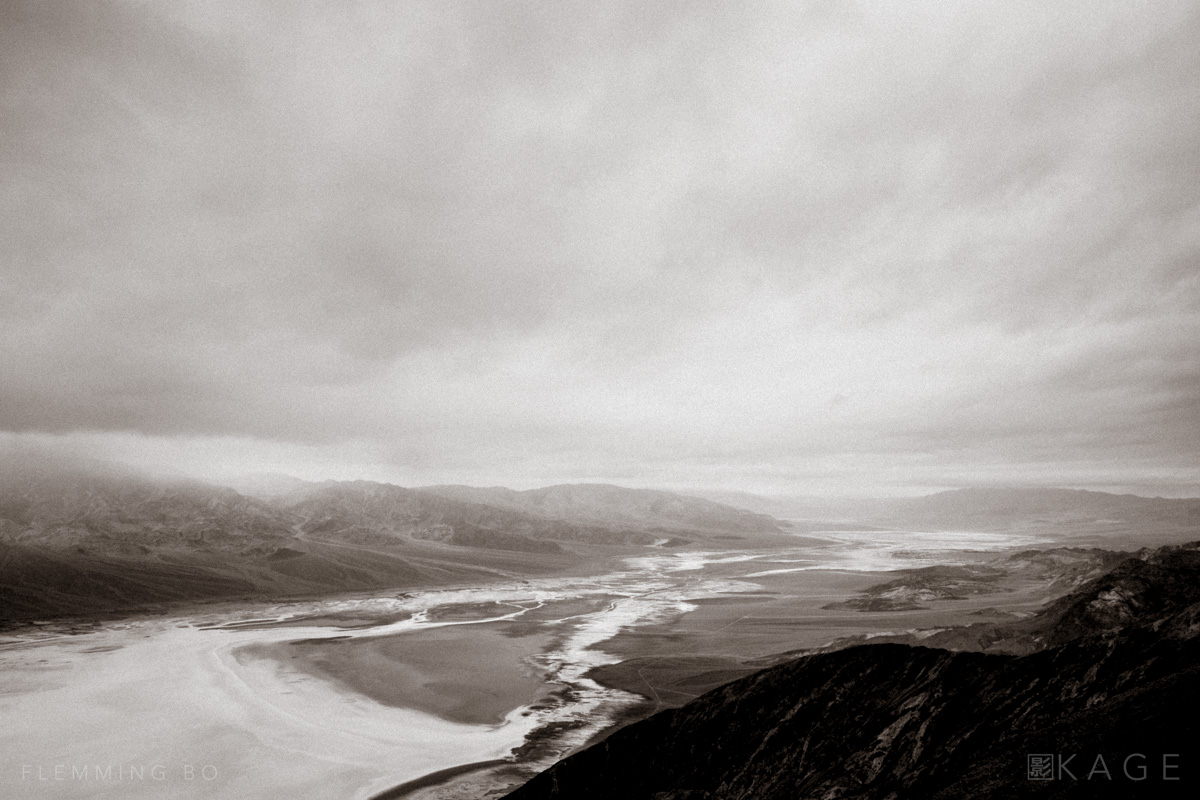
(1061, 512)
(266, 485)
(614, 505)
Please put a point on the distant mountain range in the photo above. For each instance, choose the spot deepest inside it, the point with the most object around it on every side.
(1062, 511)
(983, 509)
(1104, 705)
(97, 539)
(90, 537)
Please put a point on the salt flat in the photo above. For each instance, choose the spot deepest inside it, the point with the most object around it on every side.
(174, 698)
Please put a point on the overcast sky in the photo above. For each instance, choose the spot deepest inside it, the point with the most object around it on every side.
(824, 247)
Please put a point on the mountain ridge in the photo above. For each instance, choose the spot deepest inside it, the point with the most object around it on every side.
(77, 541)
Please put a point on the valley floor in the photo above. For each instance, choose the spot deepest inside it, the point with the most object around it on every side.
(354, 696)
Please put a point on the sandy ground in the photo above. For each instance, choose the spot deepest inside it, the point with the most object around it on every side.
(469, 674)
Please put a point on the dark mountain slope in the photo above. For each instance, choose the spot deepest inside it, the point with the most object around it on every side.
(1156, 583)
(39, 582)
(895, 721)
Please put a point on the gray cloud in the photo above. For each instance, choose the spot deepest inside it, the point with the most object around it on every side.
(825, 244)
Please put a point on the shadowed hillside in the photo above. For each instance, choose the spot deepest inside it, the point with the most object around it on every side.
(1119, 676)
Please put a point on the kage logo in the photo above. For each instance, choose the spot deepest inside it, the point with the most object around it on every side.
(1133, 767)
(1039, 767)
